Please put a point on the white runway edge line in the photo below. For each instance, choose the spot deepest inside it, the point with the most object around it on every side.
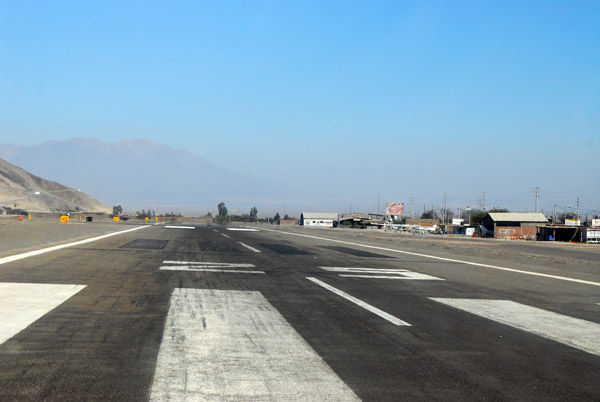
(562, 278)
(21, 304)
(225, 345)
(358, 302)
(61, 246)
(575, 332)
(249, 247)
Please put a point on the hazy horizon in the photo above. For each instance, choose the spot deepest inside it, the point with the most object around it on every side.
(355, 101)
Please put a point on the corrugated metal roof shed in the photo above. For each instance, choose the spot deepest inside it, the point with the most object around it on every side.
(518, 217)
(320, 215)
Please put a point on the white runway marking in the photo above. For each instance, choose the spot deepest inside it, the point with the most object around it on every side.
(562, 278)
(360, 303)
(21, 304)
(228, 264)
(377, 273)
(208, 269)
(226, 267)
(225, 345)
(243, 229)
(249, 247)
(181, 227)
(61, 246)
(575, 332)
(224, 235)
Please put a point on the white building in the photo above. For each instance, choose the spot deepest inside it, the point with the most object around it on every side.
(323, 219)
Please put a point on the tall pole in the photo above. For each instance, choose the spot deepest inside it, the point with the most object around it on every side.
(412, 201)
(537, 198)
(554, 215)
(445, 204)
(577, 207)
(483, 202)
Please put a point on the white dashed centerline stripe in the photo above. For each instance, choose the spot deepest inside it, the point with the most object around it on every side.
(225, 345)
(224, 235)
(66, 245)
(180, 227)
(562, 278)
(575, 332)
(21, 304)
(358, 302)
(249, 247)
(243, 229)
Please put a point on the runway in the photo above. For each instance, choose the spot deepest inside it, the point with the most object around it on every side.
(187, 312)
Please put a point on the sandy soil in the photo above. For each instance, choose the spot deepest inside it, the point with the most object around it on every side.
(20, 236)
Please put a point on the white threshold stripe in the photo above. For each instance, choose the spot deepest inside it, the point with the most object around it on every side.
(66, 245)
(372, 270)
(358, 302)
(249, 247)
(216, 268)
(180, 227)
(405, 275)
(575, 332)
(21, 304)
(225, 264)
(226, 345)
(562, 278)
(243, 229)
(224, 235)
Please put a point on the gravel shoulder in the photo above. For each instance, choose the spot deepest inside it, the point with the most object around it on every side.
(22, 236)
(584, 256)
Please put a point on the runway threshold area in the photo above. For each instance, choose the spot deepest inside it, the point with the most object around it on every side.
(207, 313)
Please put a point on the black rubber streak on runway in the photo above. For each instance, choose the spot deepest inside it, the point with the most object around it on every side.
(217, 247)
(284, 249)
(146, 244)
(356, 253)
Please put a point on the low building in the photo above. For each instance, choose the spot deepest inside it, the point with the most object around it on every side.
(322, 219)
(514, 225)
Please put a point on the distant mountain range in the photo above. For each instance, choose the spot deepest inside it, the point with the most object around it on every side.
(143, 174)
(20, 190)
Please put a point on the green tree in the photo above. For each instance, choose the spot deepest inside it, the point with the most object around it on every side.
(117, 210)
(277, 218)
(253, 214)
(428, 214)
(222, 209)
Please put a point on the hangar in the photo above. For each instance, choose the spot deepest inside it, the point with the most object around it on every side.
(514, 225)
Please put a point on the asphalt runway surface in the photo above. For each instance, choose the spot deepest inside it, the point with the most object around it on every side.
(260, 313)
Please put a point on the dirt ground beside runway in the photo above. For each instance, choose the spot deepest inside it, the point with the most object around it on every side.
(550, 253)
(46, 231)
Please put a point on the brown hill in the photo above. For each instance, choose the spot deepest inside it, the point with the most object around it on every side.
(22, 190)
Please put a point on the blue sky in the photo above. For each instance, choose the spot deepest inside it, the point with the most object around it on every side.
(406, 99)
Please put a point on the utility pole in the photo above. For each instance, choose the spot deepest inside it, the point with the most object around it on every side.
(554, 215)
(537, 198)
(483, 202)
(412, 201)
(577, 207)
(445, 204)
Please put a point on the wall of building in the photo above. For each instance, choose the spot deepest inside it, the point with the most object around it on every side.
(328, 223)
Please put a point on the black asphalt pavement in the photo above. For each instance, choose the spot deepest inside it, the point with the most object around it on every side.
(102, 343)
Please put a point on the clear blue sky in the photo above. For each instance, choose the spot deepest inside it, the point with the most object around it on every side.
(407, 99)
